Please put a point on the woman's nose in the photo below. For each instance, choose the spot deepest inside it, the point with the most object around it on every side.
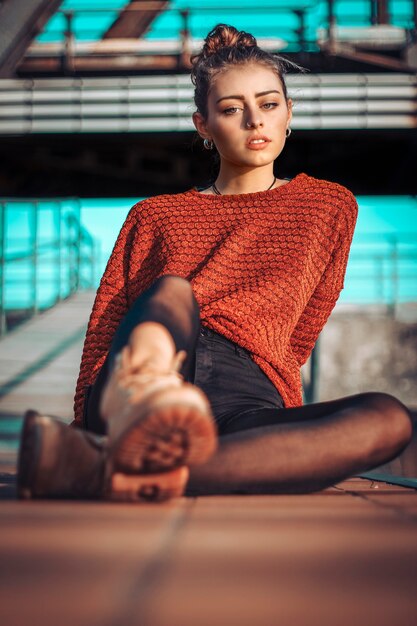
(253, 123)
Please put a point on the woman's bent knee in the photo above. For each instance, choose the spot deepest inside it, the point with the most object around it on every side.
(393, 426)
(174, 281)
(175, 286)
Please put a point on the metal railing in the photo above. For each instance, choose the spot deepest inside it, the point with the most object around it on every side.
(382, 270)
(186, 25)
(165, 103)
(45, 256)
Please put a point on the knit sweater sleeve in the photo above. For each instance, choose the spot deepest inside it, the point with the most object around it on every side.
(110, 305)
(327, 291)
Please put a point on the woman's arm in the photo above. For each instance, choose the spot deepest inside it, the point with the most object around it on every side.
(110, 305)
(326, 294)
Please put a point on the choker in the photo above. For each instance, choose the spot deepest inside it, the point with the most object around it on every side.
(216, 191)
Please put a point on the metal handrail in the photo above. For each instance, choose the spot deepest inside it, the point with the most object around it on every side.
(387, 278)
(387, 263)
(73, 253)
(193, 19)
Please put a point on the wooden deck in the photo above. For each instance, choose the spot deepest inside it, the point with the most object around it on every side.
(345, 556)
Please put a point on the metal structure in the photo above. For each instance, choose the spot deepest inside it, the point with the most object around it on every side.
(134, 19)
(164, 103)
(43, 260)
(136, 41)
(20, 22)
(382, 269)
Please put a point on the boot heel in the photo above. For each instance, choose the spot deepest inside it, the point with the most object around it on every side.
(28, 456)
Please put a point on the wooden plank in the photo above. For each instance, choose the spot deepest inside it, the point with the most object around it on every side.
(72, 563)
(346, 555)
(299, 560)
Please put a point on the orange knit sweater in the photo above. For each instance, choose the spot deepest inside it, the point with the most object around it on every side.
(266, 268)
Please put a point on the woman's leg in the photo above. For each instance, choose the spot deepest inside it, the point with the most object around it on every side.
(316, 446)
(155, 420)
(170, 421)
(163, 320)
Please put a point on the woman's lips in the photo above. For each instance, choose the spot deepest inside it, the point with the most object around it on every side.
(257, 143)
(261, 145)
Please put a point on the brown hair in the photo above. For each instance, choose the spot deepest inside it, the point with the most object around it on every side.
(225, 46)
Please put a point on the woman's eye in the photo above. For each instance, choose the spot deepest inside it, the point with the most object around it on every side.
(230, 110)
(266, 105)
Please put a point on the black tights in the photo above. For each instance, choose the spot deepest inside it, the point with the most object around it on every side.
(170, 302)
(294, 450)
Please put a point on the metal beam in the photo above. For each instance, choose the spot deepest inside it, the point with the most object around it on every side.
(135, 19)
(350, 52)
(20, 22)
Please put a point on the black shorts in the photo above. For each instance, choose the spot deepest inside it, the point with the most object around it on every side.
(240, 393)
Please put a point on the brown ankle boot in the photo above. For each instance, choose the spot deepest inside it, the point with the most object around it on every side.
(59, 461)
(156, 421)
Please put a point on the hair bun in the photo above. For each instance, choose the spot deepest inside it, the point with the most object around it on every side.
(225, 36)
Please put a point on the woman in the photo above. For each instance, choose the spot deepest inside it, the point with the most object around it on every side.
(211, 302)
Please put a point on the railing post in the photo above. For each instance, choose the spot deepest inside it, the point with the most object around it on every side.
(3, 321)
(98, 250)
(310, 390)
(301, 30)
(34, 257)
(59, 251)
(94, 253)
(382, 12)
(314, 372)
(373, 12)
(379, 260)
(184, 56)
(331, 26)
(68, 55)
(79, 244)
(69, 253)
(394, 275)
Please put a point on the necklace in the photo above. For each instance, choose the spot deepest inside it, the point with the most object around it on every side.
(216, 191)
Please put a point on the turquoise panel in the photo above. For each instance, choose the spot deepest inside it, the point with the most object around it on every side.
(382, 263)
(265, 19)
(44, 253)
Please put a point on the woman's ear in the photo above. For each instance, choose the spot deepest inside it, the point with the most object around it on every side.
(201, 126)
(289, 108)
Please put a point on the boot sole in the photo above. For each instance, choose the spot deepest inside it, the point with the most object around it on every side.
(176, 429)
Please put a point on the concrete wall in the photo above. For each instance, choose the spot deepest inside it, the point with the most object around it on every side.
(369, 350)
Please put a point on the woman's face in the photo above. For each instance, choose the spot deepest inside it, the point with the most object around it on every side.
(247, 115)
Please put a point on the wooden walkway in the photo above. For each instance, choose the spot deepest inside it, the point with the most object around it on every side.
(345, 556)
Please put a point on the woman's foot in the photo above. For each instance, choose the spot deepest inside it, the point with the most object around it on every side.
(156, 421)
(59, 461)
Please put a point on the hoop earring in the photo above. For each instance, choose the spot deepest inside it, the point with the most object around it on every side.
(208, 144)
(288, 132)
